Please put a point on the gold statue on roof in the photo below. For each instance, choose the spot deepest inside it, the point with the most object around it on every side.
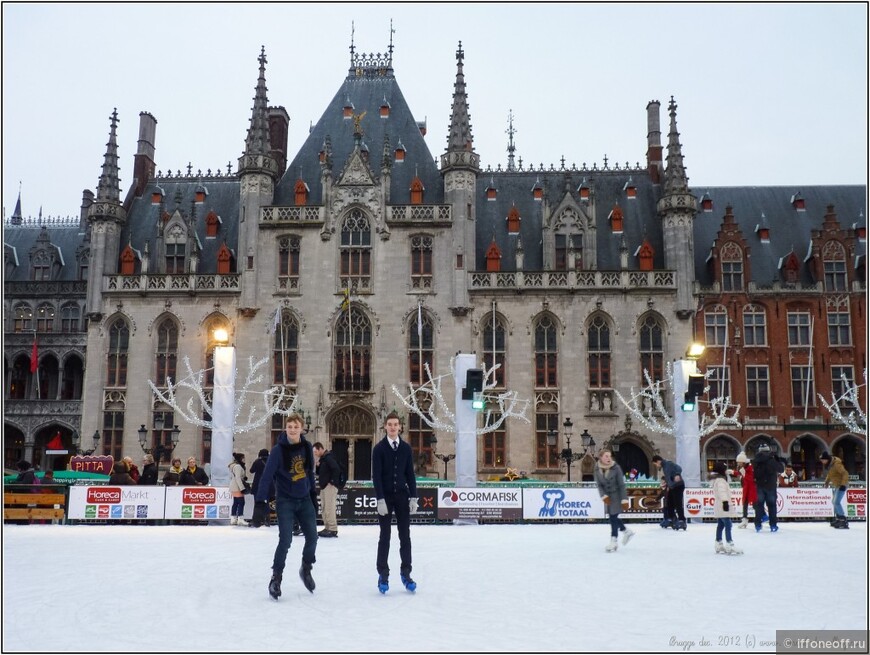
(357, 119)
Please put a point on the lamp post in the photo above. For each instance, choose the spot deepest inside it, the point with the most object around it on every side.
(160, 449)
(444, 458)
(76, 439)
(688, 384)
(566, 454)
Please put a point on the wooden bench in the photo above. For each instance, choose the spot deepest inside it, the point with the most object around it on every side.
(29, 506)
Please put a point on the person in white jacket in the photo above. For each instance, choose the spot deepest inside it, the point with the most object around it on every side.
(238, 484)
(723, 508)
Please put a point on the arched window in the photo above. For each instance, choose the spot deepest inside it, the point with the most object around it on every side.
(567, 245)
(224, 260)
(119, 343)
(421, 349)
(493, 347)
(546, 422)
(128, 261)
(834, 262)
(352, 351)
(45, 318)
(715, 325)
(356, 252)
(166, 357)
(495, 445)
(652, 353)
(23, 318)
(598, 348)
(70, 318)
(417, 190)
(18, 378)
(286, 349)
(546, 352)
(731, 256)
(420, 440)
(288, 263)
(421, 262)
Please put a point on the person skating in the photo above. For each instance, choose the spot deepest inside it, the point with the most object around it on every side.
(673, 477)
(747, 484)
(723, 506)
(838, 479)
(291, 466)
(611, 487)
(767, 469)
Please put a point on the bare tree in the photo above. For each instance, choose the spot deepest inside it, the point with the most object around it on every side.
(274, 400)
(848, 401)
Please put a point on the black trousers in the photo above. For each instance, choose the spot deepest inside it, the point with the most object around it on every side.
(396, 504)
(675, 502)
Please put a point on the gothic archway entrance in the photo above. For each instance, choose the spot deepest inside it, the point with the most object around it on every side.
(352, 434)
(631, 456)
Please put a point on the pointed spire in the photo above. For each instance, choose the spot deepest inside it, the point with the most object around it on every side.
(16, 215)
(109, 187)
(511, 147)
(257, 141)
(676, 180)
(460, 137)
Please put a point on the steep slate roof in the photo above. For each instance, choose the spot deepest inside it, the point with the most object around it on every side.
(222, 197)
(367, 95)
(515, 188)
(789, 229)
(67, 240)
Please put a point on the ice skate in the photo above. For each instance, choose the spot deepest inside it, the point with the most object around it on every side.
(410, 585)
(731, 549)
(241, 521)
(679, 525)
(611, 547)
(275, 586)
(383, 583)
(743, 523)
(627, 535)
(841, 523)
(305, 575)
(666, 523)
(234, 520)
(720, 548)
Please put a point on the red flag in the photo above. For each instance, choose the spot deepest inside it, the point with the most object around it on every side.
(34, 357)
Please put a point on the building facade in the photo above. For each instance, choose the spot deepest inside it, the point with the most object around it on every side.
(361, 261)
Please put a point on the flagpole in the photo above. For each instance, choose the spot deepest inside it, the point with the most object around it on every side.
(809, 367)
(350, 334)
(420, 340)
(34, 364)
(280, 324)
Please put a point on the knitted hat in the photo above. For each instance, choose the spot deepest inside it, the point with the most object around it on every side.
(826, 456)
(742, 458)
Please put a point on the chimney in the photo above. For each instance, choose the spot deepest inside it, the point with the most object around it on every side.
(654, 162)
(143, 160)
(87, 201)
(279, 124)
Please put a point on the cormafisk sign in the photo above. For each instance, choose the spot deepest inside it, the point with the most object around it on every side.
(474, 502)
(566, 504)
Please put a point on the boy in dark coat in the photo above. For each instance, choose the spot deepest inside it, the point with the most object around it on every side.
(766, 468)
(396, 492)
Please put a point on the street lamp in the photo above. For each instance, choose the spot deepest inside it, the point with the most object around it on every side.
(160, 449)
(444, 458)
(567, 455)
(76, 439)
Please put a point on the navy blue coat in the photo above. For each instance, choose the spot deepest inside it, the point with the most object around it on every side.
(393, 471)
(294, 477)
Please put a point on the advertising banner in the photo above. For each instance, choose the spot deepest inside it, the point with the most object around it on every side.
(108, 503)
(554, 503)
(479, 503)
(354, 504)
(198, 503)
(856, 503)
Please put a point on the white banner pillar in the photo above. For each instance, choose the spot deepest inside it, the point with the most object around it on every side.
(688, 431)
(466, 425)
(223, 414)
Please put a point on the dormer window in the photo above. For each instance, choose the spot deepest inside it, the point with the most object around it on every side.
(513, 220)
(630, 189)
(224, 260)
(860, 232)
(417, 190)
(157, 196)
(212, 221)
(798, 203)
(583, 191)
(537, 191)
(763, 233)
(400, 152)
(644, 255)
(200, 194)
(616, 219)
(490, 190)
(493, 258)
(301, 193)
(706, 203)
(347, 112)
(385, 109)
(128, 261)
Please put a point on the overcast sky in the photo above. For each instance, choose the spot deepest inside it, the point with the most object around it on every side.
(771, 94)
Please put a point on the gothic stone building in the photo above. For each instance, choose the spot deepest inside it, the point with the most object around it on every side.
(375, 258)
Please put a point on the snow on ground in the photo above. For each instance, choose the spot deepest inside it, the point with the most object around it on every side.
(135, 588)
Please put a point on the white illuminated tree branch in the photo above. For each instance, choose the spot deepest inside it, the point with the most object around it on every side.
(648, 406)
(427, 401)
(856, 420)
(274, 400)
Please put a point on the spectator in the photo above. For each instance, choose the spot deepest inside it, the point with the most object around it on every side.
(26, 475)
(149, 471)
(120, 474)
(747, 484)
(132, 469)
(238, 485)
(673, 476)
(193, 474)
(838, 479)
(766, 468)
(48, 477)
(396, 493)
(172, 477)
(291, 466)
(611, 487)
(788, 478)
(328, 473)
(723, 507)
(257, 471)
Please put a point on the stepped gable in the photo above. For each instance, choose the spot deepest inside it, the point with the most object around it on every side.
(366, 93)
(222, 197)
(515, 188)
(789, 229)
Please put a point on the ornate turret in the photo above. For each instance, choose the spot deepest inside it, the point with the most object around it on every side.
(16, 215)
(258, 157)
(678, 207)
(108, 202)
(460, 143)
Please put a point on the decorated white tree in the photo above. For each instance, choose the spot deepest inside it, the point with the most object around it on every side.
(848, 401)
(427, 401)
(252, 408)
(648, 406)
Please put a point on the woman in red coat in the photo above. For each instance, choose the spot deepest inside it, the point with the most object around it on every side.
(747, 482)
